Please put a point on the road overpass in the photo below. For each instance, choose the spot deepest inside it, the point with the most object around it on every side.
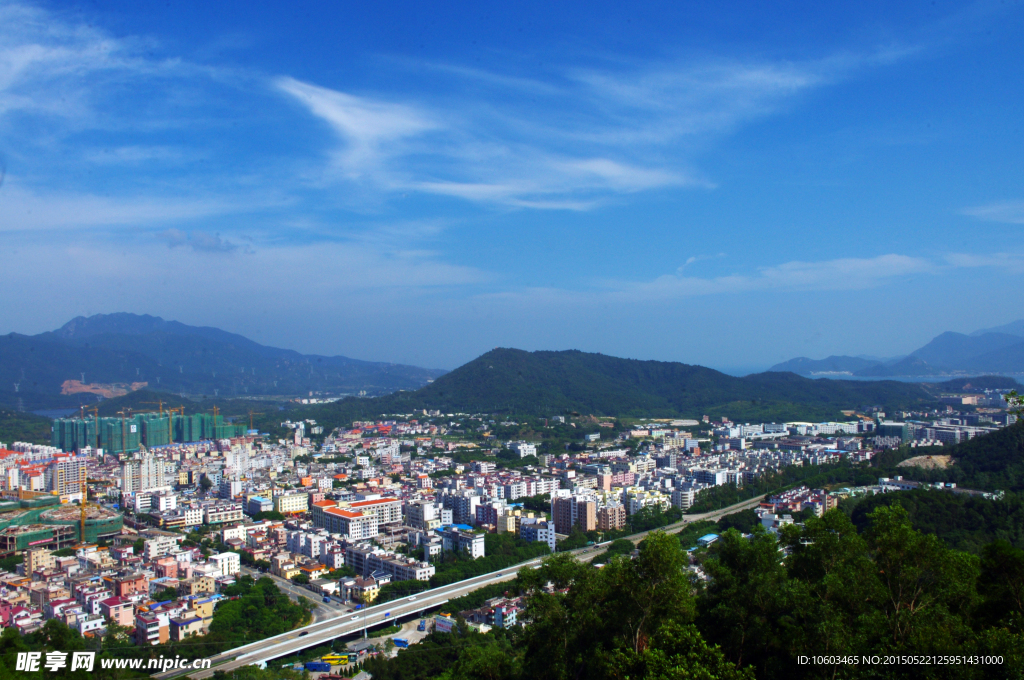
(355, 622)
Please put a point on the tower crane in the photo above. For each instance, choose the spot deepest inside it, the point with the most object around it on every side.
(95, 410)
(85, 506)
(251, 414)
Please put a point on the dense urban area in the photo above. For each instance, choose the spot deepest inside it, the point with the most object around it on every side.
(160, 534)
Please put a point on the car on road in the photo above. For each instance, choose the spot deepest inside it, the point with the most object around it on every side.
(355, 618)
(412, 598)
(305, 632)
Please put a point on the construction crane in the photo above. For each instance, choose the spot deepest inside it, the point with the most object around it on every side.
(124, 413)
(170, 421)
(159, 404)
(251, 414)
(85, 506)
(95, 410)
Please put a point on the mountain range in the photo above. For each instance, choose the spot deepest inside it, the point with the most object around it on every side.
(107, 355)
(514, 381)
(991, 350)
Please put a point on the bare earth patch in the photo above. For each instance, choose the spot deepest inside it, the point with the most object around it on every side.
(928, 462)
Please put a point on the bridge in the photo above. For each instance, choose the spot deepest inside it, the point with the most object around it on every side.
(355, 622)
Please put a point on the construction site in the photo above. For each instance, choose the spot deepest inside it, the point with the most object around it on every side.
(129, 431)
(42, 521)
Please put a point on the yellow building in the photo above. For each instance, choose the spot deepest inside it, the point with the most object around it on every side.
(365, 590)
(38, 558)
(292, 503)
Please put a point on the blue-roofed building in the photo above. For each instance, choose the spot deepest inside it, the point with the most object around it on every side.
(706, 540)
(258, 504)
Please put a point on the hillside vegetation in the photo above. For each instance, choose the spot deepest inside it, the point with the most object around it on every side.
(23, 427)
(992, 462)
(546, 383)
(962, 521)
(886, 590)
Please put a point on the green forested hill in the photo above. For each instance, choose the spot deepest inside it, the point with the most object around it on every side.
(23, 427)
(962, 521)
(991, 462)
(543, 383)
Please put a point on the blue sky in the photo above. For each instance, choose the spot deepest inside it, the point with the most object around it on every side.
(730, 184)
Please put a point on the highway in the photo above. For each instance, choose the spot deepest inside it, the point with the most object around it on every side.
(354, 622)
(323, 611)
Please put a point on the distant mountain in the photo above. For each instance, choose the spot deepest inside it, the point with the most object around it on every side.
(907, 366)
(978, 384)
(832, 364)
(994, 350)
(118, 353)
(954, 350)
(550, 383)
(1012, 328)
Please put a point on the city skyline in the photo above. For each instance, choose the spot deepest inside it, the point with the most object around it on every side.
(718, 186)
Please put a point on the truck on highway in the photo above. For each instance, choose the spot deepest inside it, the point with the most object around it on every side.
(401, 643)
(327, 599)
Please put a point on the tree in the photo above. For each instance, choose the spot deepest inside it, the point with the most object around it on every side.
(620, 546)
(1014, 402)
(165, 594)
(632, 619)
(747, 595)
(301, 579)
(205, 483)
(927, 589)
(1002, 585)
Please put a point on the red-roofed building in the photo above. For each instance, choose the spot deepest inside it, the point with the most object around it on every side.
(387, 510)
(354, 525)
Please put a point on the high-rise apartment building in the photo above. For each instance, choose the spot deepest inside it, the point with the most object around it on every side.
(66, 475)
(144, 474)
(611, 518)
(573, 511)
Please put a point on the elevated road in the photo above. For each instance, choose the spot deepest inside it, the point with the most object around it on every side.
(355, 622)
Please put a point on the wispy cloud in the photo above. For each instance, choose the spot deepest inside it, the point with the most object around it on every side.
(23, 209)
(370, 128)
(1010, 212)
(201, 242)
(573, 143)
(138, 154)
(826, 275)
(839, 274)
(1010, 262)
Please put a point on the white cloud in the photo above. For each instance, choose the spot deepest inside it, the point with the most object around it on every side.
(570, 144)
(1010, 212)
(1011, 262)
(138, 154)
(50, 67)
(23, 209)
(840, 274)
(370, 128)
